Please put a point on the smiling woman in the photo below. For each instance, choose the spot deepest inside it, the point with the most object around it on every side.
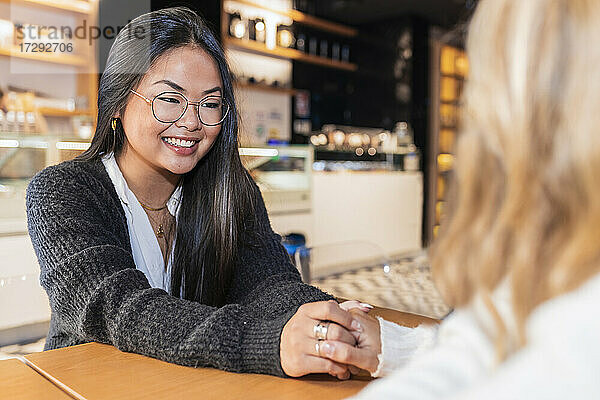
(156, 239)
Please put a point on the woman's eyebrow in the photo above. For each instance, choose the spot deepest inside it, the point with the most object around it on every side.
(215, 89)
(170, 83)
(181, 89)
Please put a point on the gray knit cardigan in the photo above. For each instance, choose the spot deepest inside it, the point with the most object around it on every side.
(79, 232)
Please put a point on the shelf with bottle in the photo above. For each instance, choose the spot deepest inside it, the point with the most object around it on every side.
(31, 112)
(324, 46)
(303, 18)
(287, 53)
(448, 80)
(454, 67)
(275, 34)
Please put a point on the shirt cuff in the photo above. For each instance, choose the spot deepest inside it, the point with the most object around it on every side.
(400, 344)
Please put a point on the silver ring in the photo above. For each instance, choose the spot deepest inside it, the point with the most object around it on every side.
(318, 348)
(320, 330)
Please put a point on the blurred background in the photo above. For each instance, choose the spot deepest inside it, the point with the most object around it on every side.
(349, 114)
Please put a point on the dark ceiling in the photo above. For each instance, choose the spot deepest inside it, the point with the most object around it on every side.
(445, 13)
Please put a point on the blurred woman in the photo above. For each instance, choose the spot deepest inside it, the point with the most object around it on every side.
(518, 256)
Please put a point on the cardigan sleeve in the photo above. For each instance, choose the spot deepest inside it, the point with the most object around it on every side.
(97, 294)
(266, 277)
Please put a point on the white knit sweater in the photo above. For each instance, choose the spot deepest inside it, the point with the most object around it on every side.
(560, 361)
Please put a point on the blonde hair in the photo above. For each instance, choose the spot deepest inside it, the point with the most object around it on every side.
(525, 202)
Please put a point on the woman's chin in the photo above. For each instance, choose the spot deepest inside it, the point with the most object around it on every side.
(180, 169)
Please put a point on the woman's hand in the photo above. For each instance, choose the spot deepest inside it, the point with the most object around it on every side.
(368, 344)
(298, 351)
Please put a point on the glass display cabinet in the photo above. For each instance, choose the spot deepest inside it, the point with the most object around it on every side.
(21, 157)
(283, 174)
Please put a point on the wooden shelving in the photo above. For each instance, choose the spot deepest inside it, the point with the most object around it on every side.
(306, 19)
(322, 24)
(325, 62)
(77, 6)
(449, 72)
(259, 48)
(265, 88)
(285, 53)
(57, 58)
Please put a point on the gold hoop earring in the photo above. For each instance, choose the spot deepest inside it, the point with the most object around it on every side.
(113, 124)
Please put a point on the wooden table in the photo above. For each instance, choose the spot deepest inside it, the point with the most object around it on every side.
(18, 381)
(98, 371)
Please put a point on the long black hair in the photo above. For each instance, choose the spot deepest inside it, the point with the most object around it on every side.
(217, 193)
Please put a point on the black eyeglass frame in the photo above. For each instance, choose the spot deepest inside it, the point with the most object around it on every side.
(196, 103)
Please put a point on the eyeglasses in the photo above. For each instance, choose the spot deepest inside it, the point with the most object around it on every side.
(169, 107)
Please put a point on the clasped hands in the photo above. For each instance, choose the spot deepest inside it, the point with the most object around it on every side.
(327, 337)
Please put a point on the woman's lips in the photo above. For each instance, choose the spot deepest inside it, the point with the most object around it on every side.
(183, 151)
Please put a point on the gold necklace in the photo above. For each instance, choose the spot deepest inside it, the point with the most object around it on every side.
(152, 209)
(160, 232)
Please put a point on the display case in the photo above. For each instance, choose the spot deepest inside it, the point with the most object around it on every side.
(49, 86)
(349, 148)
(284, 174)
(380, 206)
(21, 157)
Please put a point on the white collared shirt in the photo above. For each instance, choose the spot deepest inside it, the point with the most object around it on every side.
(147, 255)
